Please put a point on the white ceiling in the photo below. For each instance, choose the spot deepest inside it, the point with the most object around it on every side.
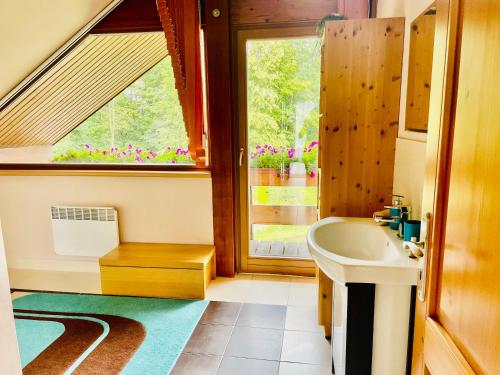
(32, 30)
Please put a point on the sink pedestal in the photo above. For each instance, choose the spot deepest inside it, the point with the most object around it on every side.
(370, 324)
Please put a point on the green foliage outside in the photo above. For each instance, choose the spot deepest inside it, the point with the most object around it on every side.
(283, 92)
(280, 233)
(146, 115)
(283, 101)
(280, 158)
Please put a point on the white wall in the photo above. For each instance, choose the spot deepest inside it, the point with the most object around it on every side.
(410, 146)
(150, 209)
(32, 30)
(9, 354)
(29, 154)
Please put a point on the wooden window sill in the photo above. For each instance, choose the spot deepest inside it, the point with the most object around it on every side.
(105, 170)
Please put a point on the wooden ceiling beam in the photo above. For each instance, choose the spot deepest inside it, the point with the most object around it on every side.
(130, 16)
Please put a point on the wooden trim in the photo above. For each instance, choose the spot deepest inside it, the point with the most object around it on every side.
(325, 301)
(281, 269)
(265, 12)
(441, 355)
(129, 17)
(437, 154)
(104, 171)
(286, 215)
(219, 114)
(241, 36)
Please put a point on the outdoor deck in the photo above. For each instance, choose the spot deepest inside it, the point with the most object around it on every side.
(278, 249)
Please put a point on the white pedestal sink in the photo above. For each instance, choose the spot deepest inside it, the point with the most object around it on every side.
(373, 292)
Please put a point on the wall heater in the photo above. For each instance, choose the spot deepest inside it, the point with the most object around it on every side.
(84, 231)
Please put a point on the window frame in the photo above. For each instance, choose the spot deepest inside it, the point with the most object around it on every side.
(115, 18)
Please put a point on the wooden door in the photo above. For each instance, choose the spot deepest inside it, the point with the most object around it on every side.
(459, 323)
(360, 91)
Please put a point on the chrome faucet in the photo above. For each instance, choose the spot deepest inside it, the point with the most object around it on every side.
(397, 202)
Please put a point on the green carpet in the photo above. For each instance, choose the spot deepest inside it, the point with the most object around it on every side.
(71, 333)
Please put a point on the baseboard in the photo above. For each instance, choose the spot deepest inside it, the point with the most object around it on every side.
(90, 265)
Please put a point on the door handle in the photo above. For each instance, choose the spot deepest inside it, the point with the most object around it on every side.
(242, 152)
(422, 272)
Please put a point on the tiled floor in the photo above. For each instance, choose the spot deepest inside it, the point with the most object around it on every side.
(255, 324)
(247, 339)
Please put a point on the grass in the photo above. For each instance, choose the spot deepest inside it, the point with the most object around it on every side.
(285, 195)
(281, 233)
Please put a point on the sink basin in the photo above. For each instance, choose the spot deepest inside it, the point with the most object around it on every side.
(358, 250)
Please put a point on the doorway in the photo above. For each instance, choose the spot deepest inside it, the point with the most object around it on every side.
(278, 91)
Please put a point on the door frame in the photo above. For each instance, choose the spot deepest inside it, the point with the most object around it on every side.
(300, 267)
(445, 70)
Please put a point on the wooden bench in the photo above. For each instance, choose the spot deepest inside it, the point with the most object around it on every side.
(158, 270)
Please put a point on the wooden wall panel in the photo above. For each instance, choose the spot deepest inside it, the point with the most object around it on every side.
(418, 91)
(354, 9)
(360, 114)
(279, 11)
(131, 16)
(218, 78)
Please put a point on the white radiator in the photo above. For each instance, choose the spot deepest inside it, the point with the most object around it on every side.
(84, 231)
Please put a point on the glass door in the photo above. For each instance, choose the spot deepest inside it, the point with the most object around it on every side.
(279, 144)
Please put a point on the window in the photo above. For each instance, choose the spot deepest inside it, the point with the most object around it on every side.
(143, 124)
(110, 100)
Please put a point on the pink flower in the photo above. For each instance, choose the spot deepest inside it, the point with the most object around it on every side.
(104, 153)
(138, 151)
(138, 159)
(87, 146)
(312, 174)
(129, 146)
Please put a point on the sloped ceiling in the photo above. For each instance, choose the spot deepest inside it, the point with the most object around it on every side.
(32, 30)
(97, 70)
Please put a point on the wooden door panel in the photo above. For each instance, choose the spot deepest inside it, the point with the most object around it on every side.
(464, 327)
(442, 357)
(360, 113)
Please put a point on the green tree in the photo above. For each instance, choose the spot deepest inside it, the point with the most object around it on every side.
(283, 91)
(147, 114)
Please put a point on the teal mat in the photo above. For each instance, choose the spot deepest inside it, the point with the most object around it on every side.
(168, 324)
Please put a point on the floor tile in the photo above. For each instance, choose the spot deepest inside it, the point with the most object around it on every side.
(262, 316)
(302, 318)
(277, 278)
(303, 294)
(221, 313)
(209, 339)
(196, 364)
(244, 366)
(287, 368)
(306, 347)
(267, 292)
(256, 343)
(19, 278)
(229, 289)
(57, 281)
